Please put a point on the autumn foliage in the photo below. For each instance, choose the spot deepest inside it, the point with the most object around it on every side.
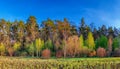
(92, 53)
(46, 53)
(11, 52)
(101, 52)
(72, 46)
(58, 38)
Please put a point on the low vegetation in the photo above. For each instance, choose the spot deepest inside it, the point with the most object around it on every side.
(68, 63)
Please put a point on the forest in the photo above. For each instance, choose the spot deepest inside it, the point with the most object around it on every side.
(56, 38)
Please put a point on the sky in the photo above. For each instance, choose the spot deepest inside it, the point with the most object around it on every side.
(99, 12)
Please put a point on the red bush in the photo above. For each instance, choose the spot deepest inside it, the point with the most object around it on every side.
(59, 54)
(101, 52)
(46, 53)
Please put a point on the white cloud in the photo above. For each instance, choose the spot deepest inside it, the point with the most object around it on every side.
(109, 18)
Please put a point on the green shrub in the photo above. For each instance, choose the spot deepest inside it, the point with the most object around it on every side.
(31, 49)
(116, 43)
(48, 45)
(23, 53)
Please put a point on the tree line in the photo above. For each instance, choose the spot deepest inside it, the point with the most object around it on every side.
(57, 38)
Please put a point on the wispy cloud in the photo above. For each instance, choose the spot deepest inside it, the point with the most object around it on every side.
(109, 18)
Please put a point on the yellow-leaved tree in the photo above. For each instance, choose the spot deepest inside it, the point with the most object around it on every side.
(81, 40)
(90, 41)
(2, 49)
(38, 45)
(16, 47)
(83, 50)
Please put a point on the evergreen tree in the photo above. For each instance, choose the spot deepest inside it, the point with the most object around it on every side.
(102, 42)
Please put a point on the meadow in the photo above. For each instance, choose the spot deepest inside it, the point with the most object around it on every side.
(59, 63)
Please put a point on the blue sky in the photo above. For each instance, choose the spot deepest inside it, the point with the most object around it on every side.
(97, 11)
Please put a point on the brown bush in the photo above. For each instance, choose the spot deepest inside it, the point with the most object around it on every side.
(116, 53)
(59, 54)
(101, 52)
(46, 53)
(11, 52)
(92, 53)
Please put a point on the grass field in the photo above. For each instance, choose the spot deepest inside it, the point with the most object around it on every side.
(68, 63)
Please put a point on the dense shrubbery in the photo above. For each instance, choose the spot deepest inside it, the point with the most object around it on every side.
(46, 53)
(92, 53)
(116, 43)
(57, 38)
(116, 53)
(59, 54)
(84, 51)
(101, 52)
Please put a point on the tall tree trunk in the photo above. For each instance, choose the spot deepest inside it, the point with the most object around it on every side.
(64, 45)
(37, 53)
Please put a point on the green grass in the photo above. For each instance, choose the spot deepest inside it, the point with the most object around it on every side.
(59, 63)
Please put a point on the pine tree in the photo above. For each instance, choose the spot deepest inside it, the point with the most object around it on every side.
(102, 42)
